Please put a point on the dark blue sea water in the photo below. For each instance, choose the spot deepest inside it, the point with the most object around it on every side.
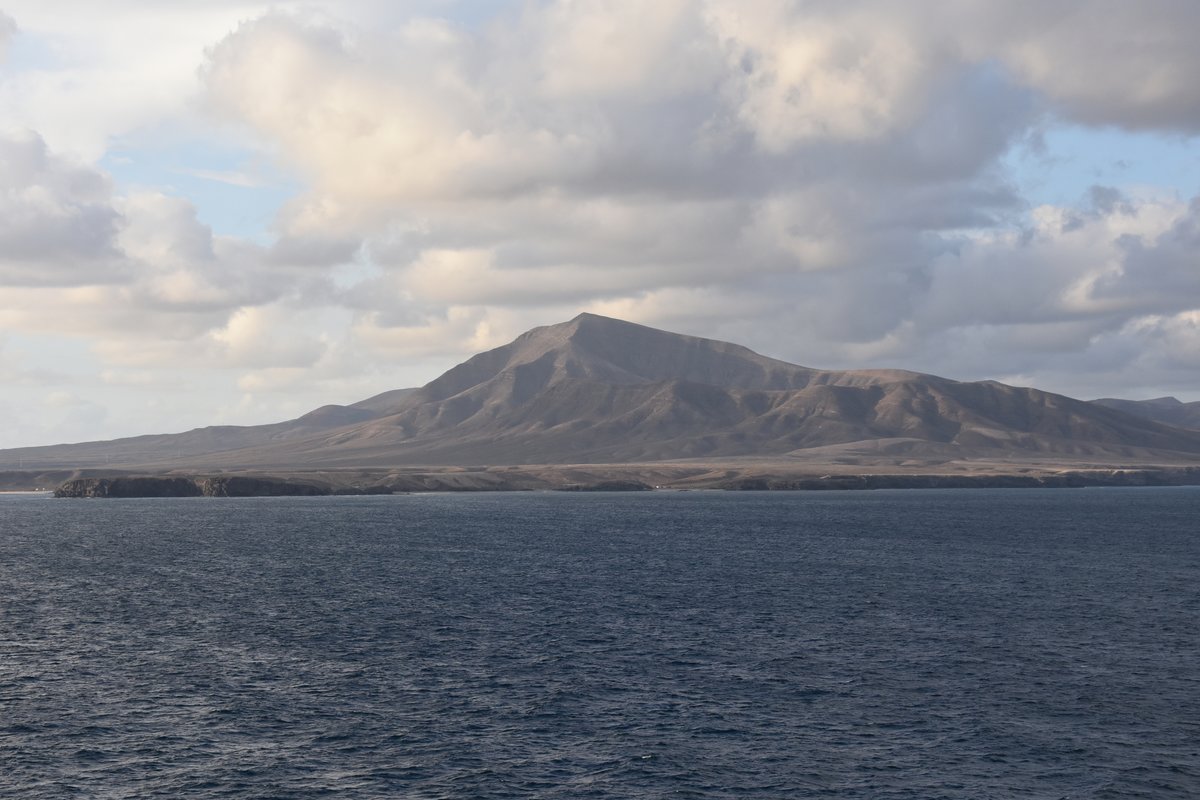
(915, 644)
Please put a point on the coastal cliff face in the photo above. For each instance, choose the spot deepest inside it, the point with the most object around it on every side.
(148, 486)
(129, 487)
(625, 478)
(252, 486)
(242, 486)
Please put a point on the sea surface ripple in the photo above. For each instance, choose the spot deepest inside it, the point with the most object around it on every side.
(916, 644)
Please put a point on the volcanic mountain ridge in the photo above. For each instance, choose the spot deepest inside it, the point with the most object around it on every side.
(599, 390)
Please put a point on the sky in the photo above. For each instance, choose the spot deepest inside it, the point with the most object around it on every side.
(233, 212)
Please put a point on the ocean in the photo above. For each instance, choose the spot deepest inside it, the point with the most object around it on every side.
(888, 644)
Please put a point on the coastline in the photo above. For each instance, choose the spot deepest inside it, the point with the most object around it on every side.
(602, 478)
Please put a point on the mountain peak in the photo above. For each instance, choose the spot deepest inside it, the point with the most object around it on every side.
(587, 325)
(585, 315)
(596, 348)
(618, 351)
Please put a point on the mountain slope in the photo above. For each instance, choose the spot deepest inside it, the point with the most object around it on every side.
(1167, 410)
(185, 446)
(599, 390)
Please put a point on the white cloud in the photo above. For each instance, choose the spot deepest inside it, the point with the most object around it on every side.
(137, 276)
(852, 71)
(457, 330)
(57, 220)
(598, 49)
(837, 163)
(1118, 263)
(8, 30)
(1102, 61)
(96, 73)
(266, 336)
(408, 126)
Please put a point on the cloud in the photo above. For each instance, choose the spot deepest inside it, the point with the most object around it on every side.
(312, 251)
(1119, 261)
(829, 73)
(1085, 300)
(8, 31)
(833, 170)
(1103, 62)
(97, 72)
(435, 334)
(366, 137)
(599, 49)
(57, 220)
(138, 276)
(385, 127)
(263, 336)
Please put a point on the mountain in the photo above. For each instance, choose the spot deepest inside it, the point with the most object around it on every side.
(187, 446)
(1167, 410)
(600, 390)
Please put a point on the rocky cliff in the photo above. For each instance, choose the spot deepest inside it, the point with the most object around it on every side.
(165, 486)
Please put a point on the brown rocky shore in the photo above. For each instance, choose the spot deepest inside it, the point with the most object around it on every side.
(582, 478)
(176, 486)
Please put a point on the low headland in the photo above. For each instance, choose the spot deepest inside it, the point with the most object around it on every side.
(580, 478)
